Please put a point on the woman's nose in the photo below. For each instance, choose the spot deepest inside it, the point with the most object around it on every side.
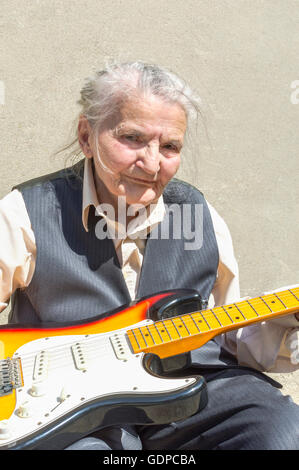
(149, 158)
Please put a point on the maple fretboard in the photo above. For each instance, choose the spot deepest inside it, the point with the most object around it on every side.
(190, 331)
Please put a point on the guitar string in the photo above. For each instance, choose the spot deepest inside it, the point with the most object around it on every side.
(89, 355)
(214, 311)
(29, 369)
(58, 353)
(207, 314)
(64, 356)
(87, 347)
(94, 345)
(222, 310)
(89, 344)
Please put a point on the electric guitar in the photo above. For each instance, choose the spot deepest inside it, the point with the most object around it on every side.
(59, 383)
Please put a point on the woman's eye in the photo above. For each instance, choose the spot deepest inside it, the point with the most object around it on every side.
(171, 147)
(131, 137)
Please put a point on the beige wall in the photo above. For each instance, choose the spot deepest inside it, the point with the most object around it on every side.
(240, 55)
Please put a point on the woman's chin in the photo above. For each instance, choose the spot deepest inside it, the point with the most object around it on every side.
(145, 197)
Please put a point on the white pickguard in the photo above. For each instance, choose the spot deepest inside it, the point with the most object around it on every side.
(71, 370)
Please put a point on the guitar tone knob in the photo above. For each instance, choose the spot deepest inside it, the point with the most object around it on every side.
(4, 430)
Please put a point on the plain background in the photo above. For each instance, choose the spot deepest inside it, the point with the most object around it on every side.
(240, 56)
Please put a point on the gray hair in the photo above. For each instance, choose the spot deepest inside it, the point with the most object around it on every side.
(103, 94)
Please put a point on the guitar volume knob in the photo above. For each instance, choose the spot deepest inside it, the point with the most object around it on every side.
(24, 410)
(37, 389)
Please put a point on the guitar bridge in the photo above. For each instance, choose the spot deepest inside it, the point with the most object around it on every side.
(10, 375)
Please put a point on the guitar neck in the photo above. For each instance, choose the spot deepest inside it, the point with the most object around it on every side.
(190, 331)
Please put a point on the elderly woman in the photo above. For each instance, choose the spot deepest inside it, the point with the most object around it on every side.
(85, 240)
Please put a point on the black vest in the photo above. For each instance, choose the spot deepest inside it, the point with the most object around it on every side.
(78, 276)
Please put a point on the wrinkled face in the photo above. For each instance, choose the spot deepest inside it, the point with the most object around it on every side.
(140, 149)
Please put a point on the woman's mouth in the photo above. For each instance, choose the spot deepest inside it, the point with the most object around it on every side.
(141, 181)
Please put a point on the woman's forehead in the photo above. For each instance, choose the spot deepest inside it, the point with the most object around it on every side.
(152, 111)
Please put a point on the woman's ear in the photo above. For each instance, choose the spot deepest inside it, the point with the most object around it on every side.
(84, 136)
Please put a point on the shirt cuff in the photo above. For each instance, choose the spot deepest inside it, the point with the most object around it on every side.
(3, 305)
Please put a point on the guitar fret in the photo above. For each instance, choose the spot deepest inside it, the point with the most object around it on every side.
(164, 333)
(149, 331)
(232, 316)
(162, 321)
(240, 311)
(143, 337)
(175, 328)
(287, 299)
(171, 324)
(192, 327)
(195, 323)
(266, 304)
(228, 315)
(294, 295)
(185, 326)
(211, 319)
(140, 338)
(202, 325)
(277, 303)
(280, 301)
(154, 332)
(252, 308)
(219, 312)
(182, 327)
(202, 314)
(137, 342)
(155, 325)
(216, 317)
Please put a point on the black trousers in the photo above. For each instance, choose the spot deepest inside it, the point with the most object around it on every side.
(244, 411)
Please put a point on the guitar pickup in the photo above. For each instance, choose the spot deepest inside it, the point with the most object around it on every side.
(79, 356)
(41, 366)
(120, 346)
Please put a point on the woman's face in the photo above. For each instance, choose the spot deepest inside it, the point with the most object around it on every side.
(141, 149)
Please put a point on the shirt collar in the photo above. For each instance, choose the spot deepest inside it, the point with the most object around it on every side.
(144, 222)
